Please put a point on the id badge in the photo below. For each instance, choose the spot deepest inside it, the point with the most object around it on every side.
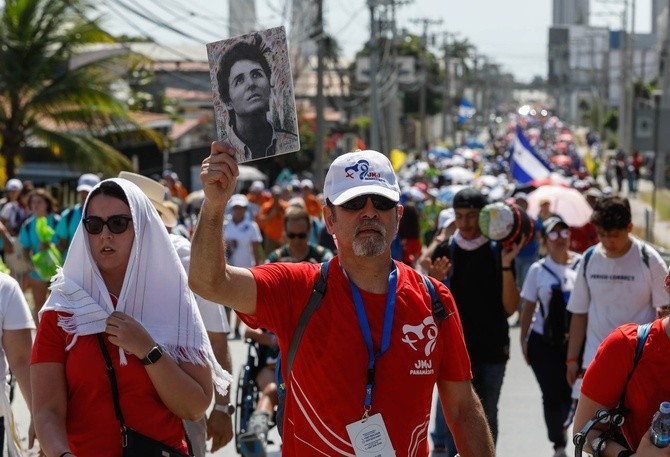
(370, 438)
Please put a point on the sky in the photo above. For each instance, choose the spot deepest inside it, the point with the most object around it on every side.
(512, 33)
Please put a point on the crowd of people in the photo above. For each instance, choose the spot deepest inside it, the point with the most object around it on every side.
(403, 307)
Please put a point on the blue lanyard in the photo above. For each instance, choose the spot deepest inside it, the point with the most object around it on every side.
(367, 336)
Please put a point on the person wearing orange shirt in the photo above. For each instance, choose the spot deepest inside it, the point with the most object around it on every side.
(312, 204)
(271, 220)
(176, 189)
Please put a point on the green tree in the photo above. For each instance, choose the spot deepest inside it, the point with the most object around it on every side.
(47, 98)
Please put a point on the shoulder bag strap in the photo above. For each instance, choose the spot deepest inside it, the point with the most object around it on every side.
(312, 305)
(642, 334)
(112, 380)
(438, 309)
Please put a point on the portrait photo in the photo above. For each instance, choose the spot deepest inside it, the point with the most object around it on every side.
(254, 105)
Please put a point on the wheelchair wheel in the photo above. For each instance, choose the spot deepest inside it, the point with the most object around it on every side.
(247, 395)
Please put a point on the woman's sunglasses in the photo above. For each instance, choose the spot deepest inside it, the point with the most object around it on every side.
(301, 235)
(563, 233)
(380, 203)
(116, 224)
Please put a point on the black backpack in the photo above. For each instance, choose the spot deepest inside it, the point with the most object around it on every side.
(313, 304)
(557, 320)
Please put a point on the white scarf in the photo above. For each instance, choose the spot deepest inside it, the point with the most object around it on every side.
(469, 245)
(155, 291)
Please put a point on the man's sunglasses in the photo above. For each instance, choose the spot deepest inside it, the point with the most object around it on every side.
(301, 235)
(380, 203)
(116, 224)
(563, 233)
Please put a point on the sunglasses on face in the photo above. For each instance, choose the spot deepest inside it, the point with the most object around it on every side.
(116, 224)
(563, 233)
(380, 203)
(301, 236)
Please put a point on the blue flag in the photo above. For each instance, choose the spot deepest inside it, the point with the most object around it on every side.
(527, 165)
(465, 111)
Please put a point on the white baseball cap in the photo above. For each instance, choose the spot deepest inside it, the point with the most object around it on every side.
(306, 183)
(446, 218)
(87, 182)
(360, 173)
(238, 200)
(13, 184)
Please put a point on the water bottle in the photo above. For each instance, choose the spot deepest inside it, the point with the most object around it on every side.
(660, 426)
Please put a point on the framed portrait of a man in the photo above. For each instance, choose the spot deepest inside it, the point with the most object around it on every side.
(254, 105)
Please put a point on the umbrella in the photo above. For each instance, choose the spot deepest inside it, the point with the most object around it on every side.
(447, 193)
(440, 153)
(567, 202)
(458, 175)
(248, 173)
(561, 160)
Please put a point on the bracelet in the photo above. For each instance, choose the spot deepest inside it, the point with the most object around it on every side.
(65, 453)
(625, 453)
(567, 361)
(506, 268)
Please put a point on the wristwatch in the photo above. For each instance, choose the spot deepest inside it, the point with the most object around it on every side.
(228, 409)
(153, 356)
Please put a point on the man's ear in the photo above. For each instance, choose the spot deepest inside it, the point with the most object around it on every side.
(328, 218)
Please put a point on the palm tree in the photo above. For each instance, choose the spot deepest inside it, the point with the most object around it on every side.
(48, 100)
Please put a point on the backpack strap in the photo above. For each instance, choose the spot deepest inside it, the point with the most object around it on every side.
(642, 334)
(312, 305)
(436, 305)
(586, 257)
(644, 251)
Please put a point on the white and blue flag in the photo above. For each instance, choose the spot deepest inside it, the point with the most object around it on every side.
(465, 111)
(527, 165)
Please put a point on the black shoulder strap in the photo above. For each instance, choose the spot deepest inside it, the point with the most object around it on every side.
(438, 310)
(312, 305)
(550, 271)
(112, 380)
(645, 253)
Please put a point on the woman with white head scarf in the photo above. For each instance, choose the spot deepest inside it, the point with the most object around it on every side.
(122, 280)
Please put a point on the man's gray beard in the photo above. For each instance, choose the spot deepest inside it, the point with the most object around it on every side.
(371, 246)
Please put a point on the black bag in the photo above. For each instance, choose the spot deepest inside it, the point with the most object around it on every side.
(134, 443)
(557, 320)
(137, 445)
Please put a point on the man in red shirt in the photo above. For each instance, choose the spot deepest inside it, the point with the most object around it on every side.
(370, 356)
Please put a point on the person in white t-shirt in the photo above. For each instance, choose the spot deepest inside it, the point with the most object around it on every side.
(619, 282)
(243, 236)
(16, 325)
(545, 355)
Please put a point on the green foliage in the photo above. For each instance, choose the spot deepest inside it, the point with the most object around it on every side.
(50, 97)
(612, 120)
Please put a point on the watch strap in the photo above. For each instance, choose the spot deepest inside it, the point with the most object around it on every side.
(228, 409)
(153, 356)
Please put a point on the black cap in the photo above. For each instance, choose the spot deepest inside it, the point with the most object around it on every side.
(469, 198)
(550, 223)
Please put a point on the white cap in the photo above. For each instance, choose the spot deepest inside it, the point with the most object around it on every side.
(306, 183)
(238, 200)
(13, 184)
(446, 218)
(87, 182)
(257, 186)
(359, 173)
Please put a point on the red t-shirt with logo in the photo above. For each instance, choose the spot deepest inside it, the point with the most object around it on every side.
(329, 374)
(92, 428)
(648, 386)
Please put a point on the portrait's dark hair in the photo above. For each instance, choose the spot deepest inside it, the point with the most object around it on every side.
(242, 51)
(111, 189)
(52, 205)
(611, 213)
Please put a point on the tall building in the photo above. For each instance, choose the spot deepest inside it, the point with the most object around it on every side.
(570, 12)
(241, 17)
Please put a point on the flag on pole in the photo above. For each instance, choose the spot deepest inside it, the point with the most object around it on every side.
(527, 165)
(465, 111)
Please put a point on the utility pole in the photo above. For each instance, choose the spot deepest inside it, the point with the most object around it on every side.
(446, 106)
(319, 149)
(374, 64)
(624, 120)
(426, 22)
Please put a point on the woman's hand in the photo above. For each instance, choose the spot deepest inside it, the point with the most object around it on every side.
(439, 268)
(219, 174)
(128, 334)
